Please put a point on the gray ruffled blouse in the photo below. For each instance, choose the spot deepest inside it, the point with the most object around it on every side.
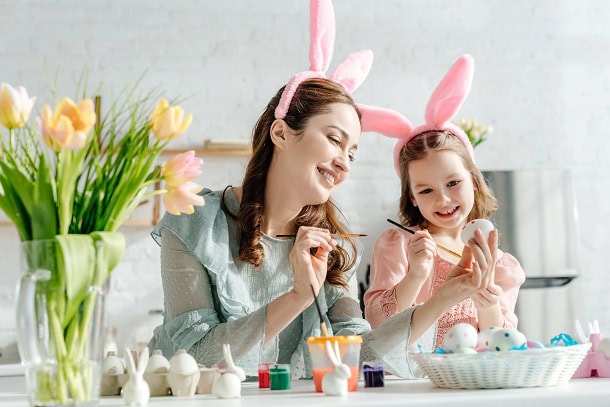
(211, 297)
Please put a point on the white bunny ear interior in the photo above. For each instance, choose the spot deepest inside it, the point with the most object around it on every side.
(451, 92)
(143, 361)
(131, 366)
(322, 34)
(353, 70)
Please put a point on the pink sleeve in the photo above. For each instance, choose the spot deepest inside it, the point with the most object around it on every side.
(388, 267)
(509, 276)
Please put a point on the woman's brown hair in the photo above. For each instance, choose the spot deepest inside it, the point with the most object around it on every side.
(312, 98)
(418, 147)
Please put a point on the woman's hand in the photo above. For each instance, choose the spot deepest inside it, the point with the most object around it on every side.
(309, 260)
(420, 254)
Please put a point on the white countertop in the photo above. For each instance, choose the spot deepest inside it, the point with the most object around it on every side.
(589, 392)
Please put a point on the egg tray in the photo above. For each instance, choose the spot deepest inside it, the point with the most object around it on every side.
(510, 369)
(165, 384)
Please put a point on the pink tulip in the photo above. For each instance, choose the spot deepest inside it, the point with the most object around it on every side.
(69, 127)
(182, 198)
(182, 168)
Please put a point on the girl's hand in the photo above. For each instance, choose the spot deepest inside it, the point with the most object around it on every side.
(309, 260)
(487, 298)
(485, 253)
(420, 253)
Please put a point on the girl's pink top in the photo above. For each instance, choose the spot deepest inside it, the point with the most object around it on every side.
(389, 265)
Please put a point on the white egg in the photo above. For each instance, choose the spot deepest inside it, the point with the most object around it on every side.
(112, 364)
(460, 336)
(227, 386)
(157, 363)
(603, 346)
(506, 339)
(469, 229)
(484, 335)
(183, 363)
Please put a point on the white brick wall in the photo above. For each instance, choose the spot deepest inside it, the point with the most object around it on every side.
(541, 80)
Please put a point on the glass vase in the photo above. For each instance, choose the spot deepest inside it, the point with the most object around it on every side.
(60, 319)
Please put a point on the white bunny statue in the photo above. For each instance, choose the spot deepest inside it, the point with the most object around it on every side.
(334, 383)
(136, 391)
(228, 385)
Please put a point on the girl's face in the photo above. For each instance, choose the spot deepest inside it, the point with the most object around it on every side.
(442, 189)
(319, 159)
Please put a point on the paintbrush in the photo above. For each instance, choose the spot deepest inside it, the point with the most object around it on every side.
(332, 235)
(322, 324)
(456, 254)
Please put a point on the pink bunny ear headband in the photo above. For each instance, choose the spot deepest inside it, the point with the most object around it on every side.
(349, 74)
(443, 105)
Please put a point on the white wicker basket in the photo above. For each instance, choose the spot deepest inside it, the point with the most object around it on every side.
(493, 370)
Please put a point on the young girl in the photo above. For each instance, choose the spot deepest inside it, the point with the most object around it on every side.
(442, 189)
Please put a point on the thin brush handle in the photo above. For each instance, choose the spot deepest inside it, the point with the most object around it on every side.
(332, 235)
(440, 246)
(322, 324)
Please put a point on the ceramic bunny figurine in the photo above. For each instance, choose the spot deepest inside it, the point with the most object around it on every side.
(335, 383)
(228, 385)
(136, 391)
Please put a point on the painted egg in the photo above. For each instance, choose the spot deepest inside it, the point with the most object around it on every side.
(460, 336)
(183, 363)
(157, 363)
(469, 229)
(468, 351)
(484, 335)
(507, 339)
(603, 346)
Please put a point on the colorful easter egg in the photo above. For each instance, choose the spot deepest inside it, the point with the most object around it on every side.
(507, 339)
(460, 336)
(484, 335)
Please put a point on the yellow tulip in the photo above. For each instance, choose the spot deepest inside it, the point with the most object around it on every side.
(168, 122)
(181, 199)
(15, 106)
(69, 127)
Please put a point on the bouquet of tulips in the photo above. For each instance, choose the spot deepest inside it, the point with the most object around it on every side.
(72, 179)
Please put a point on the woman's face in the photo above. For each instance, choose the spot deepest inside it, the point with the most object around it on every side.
(442, 189)
(319, 159)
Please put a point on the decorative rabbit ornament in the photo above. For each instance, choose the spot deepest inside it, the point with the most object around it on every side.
(136, 391)
(334, 383)
(349, 74)
(228, 385)
(443, 105)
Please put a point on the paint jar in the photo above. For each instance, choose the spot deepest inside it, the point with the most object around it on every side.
(373, 374)
(263, 375)
(279, 377)
(349, 346)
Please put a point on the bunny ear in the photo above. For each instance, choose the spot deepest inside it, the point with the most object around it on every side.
(331, 354)
(338, 351)
(385, 121)
(353, 70)
(131, 366)
(226, 352)
(450, 92)
(143, 361)
(322, 32)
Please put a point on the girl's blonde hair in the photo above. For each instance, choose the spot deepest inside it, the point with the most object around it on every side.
(418, 147)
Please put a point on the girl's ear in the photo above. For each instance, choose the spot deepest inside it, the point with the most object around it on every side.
(278, 132)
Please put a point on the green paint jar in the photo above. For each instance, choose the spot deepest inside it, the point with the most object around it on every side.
(279, 377)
